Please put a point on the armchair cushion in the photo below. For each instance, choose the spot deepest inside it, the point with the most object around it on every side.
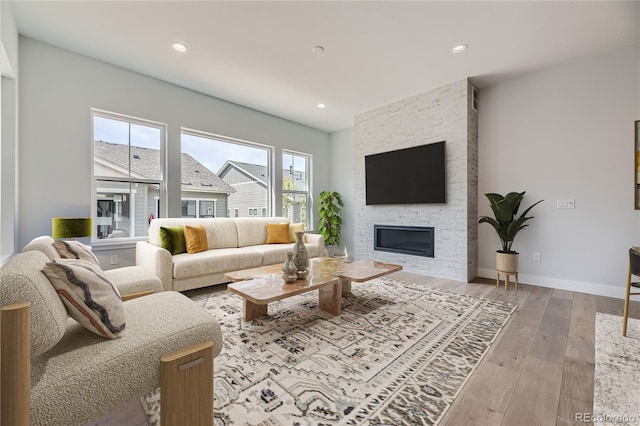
(90, 298)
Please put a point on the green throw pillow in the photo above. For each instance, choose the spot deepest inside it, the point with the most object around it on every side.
(172, 239)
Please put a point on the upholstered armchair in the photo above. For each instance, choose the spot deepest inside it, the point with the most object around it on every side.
(73, 376)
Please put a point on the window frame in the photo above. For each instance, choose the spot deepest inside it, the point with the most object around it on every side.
(269, 150)
(308, 165)
(198, 201)
(160, 202)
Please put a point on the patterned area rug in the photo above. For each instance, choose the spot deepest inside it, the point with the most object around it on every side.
(398, 354)
(616, 393)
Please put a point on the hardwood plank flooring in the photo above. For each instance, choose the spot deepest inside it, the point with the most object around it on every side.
(539, 371)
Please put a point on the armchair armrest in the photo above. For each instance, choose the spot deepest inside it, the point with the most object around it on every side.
(157, 260)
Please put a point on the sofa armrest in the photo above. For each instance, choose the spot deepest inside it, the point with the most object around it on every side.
(157, 260)
(316, 240)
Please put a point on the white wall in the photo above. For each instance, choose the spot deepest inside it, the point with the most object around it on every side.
(341, 180)
(8, 132)
(565, 132)
(57, 90)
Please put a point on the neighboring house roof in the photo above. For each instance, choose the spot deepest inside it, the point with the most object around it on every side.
(255, 172)
(144, 164)
(259, 173)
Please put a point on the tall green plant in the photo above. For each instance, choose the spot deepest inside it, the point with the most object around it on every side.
(330, 222)
(507, 225)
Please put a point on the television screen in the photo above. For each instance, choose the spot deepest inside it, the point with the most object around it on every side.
(407, 176)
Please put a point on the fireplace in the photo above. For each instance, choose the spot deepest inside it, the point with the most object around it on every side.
(413, 240)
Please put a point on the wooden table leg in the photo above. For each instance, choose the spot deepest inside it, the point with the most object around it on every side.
(330, 298)
(254, 311)
(497, 279)
(346, 286)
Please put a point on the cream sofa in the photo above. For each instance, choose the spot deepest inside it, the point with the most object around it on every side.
(234, 244)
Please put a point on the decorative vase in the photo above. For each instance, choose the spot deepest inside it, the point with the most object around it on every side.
(300, 257)
(289, 269)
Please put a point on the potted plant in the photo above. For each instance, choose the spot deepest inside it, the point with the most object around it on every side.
(507, 225)
(330, 222)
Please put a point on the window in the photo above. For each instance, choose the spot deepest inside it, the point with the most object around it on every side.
(127, 174)
(198, 208)
(296, 186)
(235, 173)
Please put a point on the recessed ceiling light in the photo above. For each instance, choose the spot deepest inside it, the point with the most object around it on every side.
(179, 47)
(321, 106)
(459, 48)
(317, 49)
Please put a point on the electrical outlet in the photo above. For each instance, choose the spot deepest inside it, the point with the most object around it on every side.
(114, 259)
(566, 204)
(537, 257)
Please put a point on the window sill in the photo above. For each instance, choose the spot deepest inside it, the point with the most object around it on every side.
(115, 244)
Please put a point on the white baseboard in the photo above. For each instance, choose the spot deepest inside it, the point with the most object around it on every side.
(562, 284)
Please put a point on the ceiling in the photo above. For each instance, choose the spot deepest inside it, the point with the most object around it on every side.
(259, 54)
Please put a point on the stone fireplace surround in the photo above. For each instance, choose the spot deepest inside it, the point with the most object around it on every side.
(441, 114)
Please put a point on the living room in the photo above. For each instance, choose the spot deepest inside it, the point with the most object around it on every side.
(562, 130)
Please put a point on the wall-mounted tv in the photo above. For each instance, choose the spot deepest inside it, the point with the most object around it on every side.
(407, 176)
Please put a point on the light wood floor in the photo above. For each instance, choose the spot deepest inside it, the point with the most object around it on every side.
(539, 372)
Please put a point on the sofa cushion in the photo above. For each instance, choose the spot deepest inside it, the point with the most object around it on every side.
(214, 261)
(24, 281)
(221, 231)
(172, 239)
(277, 233)
(277, 253)
(253, 231)
(90, 298)
(293, 228)
(74, 250)
(156, 325)
(195, 238)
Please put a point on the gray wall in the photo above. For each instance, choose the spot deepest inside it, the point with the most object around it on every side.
(59, 87)
(566, 132)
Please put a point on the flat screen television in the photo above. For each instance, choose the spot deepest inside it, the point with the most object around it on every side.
(406, 176)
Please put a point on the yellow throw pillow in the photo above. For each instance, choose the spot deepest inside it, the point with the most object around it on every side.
(277, 233)
(293, 228)
(196, 239)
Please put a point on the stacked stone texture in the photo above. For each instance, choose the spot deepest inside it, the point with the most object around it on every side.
(441, 114)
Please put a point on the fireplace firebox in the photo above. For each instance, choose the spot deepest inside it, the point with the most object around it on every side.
(412, 240)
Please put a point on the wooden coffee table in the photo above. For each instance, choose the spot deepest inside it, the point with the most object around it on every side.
(332, 277)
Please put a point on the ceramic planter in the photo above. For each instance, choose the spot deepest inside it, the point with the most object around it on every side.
(507, 262)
